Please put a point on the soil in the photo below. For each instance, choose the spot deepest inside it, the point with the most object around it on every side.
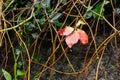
(109, 68)
(76, 63)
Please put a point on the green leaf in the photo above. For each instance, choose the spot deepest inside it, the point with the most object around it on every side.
(17, 51)
(6, 75)
(46, 3)
(98, 7)
(27, 43)
(29, 26)
(20, 73)
(37, 58)
(39, 7)
(55, 17)
(57, 23)
(89, 8)
(32, 25)
(64, 1)
(19, 65)
(106, 2)
(34, 35)
(89, 15)
(42, 21)
(36, 79)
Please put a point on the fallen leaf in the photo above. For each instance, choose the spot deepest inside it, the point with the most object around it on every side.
(83, 36)
(72, 39)
(73, 36)
(66, 31)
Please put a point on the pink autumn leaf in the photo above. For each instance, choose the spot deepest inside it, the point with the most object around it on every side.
(72, 39)
(72, 36)
(66, 31)
(83, 36)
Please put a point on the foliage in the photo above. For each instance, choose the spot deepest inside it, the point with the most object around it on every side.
(6, 75)
(72, 36)
(32, 37)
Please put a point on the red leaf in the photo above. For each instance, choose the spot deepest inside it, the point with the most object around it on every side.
(72, 36)
(83, 36)
(72, 39)
(66, 31)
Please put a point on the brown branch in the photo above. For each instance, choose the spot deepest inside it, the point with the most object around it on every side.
(1, 23)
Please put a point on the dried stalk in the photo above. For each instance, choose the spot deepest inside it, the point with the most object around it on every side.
(1, 37)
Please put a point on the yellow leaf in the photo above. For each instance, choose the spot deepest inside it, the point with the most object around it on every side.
(80, 22)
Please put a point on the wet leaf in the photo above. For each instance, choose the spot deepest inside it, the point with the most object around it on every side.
(66, 31)
(72, 39)
(73, 36)
(83, 36)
